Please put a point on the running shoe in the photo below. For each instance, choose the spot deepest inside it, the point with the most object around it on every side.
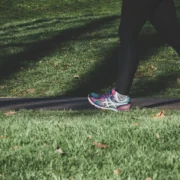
(110, 101)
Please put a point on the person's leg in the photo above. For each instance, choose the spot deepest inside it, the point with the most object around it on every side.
(166, 23)
(134, 15)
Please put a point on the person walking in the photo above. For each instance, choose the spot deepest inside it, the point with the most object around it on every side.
(162, 15)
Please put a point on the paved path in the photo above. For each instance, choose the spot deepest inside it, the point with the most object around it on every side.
(80, 103)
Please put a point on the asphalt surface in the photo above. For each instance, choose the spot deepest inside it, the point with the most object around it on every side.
(81, 103)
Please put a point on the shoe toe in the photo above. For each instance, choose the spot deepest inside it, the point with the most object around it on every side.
(94, 95)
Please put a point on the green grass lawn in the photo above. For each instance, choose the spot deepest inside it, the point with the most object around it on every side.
(52, 48)
(139, 145)
(58, 48)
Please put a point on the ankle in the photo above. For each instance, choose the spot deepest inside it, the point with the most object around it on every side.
(121, 94)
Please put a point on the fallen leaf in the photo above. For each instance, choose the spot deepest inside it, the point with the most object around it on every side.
(100, 145)
(30, 90)
(76, 76)
(3, 137)
(137, 124)
(117, 171)
(15, 147)
(66, 66)
(178, 80)
(60, 151)
(89, 137)
(159, 115)
(9, 113)
(148, 178)
(153, 67)
(157, 136)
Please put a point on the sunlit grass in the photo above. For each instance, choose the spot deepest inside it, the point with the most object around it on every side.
(139, 145)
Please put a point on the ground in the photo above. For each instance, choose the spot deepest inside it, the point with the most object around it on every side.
(64, 48)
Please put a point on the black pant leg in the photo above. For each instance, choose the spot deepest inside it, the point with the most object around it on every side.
(134, 15)
(166, 23)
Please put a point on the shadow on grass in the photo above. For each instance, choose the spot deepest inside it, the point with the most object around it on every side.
(147, 87)
(98, 78)
(104, 75)
(101, 77)
(38, 50)
(150, 87)
(40, 23)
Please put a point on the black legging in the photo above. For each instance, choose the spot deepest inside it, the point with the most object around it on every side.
(162, 14)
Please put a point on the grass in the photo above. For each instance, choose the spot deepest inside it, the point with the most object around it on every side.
(139, 145)
(52, 48)
(65, 48)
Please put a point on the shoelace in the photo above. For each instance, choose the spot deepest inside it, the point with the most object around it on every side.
(108, 95)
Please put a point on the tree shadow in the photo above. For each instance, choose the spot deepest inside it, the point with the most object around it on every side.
(151, 87)
(40, 23)
(104, 76)
(100, 76)
(36, 51)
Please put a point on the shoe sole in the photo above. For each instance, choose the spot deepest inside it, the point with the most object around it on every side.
(124, 107)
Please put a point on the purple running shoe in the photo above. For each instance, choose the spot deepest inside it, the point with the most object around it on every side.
(110, 101)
